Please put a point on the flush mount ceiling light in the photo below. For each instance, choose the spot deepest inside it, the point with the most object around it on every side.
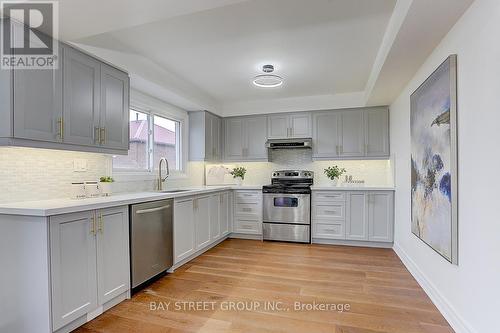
(267, 80)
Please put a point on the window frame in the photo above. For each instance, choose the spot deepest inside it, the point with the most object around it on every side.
(128, 174)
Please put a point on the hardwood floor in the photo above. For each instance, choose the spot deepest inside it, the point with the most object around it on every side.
(256, 276)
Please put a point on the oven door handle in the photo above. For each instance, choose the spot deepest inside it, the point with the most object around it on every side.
(285, 195)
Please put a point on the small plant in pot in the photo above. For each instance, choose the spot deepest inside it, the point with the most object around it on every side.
(105, 185)
(333, 173)
(239, 174)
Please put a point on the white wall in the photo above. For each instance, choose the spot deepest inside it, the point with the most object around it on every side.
(467, 294)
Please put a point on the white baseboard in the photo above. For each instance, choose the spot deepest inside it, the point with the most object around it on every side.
(458, 323)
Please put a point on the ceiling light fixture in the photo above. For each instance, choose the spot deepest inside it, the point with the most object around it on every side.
(268, 80)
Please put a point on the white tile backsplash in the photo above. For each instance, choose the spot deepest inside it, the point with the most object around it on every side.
(36, 174)
(373, 172)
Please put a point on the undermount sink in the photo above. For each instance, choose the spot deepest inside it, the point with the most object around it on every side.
(173, 191)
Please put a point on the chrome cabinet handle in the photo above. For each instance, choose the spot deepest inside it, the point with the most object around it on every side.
(60, 125)
(246, 209)
(330, 211)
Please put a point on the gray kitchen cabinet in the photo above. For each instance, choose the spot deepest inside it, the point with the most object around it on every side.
(81, 96)
(255, 138)
(325, 134)
(357, 216)
(113, 268)
(351, 134)
(202, 221)
(233, 139)
(224, 213)
(214, 216)
(205, 136)
(295, 125)
(278, 126)
(89, 261)
(114, 108)
(83, 105)
(245, 138)
(38, 110)
(377, 132)
(300, 125)
(184, 229)
(73, 266)
(380, 216)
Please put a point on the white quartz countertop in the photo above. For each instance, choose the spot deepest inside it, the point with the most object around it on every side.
(64, 205)
(351, 188)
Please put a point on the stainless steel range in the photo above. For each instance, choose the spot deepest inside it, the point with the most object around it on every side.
(287, 206)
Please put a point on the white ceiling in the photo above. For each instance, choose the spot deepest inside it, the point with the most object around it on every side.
(202, 54)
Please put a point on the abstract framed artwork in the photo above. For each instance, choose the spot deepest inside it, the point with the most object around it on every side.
(433, 129)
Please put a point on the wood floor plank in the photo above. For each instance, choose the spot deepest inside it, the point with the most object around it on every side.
(382, 295)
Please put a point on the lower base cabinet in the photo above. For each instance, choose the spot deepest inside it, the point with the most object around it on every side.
(200, 221)
(369, 216)
(247, 211)
(89, 261)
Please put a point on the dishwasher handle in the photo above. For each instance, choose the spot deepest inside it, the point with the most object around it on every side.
(152, 210)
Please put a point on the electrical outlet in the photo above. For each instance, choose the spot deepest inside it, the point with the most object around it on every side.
(79, 165)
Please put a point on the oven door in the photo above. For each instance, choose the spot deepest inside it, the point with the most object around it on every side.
(287, 208)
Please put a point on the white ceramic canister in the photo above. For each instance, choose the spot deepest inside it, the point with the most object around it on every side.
(78, 191)
(92, 189)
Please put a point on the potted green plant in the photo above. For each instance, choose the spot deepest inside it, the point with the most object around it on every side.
(105, 185)
(239, 174)
(333, 173)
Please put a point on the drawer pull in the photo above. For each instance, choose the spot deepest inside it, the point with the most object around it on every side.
(246, 209)
(331, 211)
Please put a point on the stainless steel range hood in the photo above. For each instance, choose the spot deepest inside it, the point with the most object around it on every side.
(289, 143)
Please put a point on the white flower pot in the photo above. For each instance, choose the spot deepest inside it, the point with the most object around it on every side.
(105, 189)
(334, 182)
(239, 180)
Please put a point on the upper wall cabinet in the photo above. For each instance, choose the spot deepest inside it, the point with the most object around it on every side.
(83, 105)
(351, 134)
(245, 138)
(295, 125)
(205, 137)
(38, 101)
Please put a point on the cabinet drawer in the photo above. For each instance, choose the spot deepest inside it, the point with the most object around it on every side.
(329, 210)
(247, 227)
(328, 196)
(247, 197)
(330, 231)
(246, 209)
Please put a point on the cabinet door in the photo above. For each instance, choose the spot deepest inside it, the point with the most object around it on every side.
(352, 139)
(184, 233)
(73, 266)
(38, 103)
(113, 264)
(278, 126)
(209, 147)
(377, 132)
(256, 137)
(233, 147)
(202, 221)
(300, 125)
(81, 91)
(380, 216)
(216, 138)
(224, 213)
(114, 110)
(325, 134)
(214, 208)
(357, 216)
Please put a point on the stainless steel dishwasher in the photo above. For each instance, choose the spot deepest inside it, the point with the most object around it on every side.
(151, 240)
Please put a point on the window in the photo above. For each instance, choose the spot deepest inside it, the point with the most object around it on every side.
(151, 138)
